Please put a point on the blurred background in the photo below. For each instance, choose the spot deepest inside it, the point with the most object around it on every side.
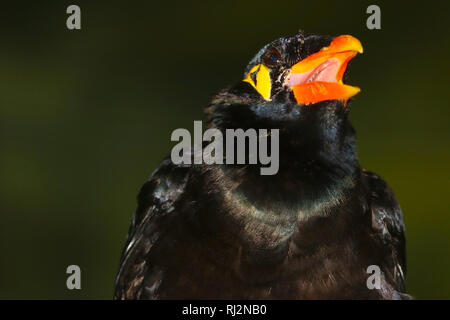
(86, 116)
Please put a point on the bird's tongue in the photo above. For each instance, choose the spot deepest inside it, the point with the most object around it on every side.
(325, 72)
(321, 83)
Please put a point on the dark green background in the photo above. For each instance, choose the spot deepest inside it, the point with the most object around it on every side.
(86, 116)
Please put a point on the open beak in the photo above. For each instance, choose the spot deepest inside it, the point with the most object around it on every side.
(318, 77)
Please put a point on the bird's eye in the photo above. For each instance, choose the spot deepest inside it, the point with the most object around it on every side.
(272, 57)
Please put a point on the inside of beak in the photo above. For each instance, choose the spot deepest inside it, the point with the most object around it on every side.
(318, 77)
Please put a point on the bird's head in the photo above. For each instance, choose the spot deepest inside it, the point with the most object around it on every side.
(303, 69)
(294, 74)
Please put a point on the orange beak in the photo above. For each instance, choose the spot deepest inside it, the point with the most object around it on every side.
(318, 77)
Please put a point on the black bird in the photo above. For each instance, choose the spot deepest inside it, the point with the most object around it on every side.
(311, 231)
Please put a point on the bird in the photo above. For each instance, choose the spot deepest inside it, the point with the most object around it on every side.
(314, 230)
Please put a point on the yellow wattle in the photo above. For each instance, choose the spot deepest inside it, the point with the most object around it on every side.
(263, 82)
